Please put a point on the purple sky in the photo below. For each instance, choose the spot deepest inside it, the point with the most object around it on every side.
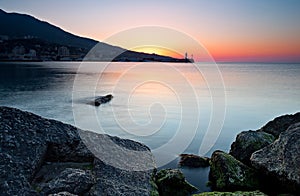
(231, 30)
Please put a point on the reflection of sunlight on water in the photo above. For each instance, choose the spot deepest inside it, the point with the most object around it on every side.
(151, 100)
(121, 75)
(256, 94)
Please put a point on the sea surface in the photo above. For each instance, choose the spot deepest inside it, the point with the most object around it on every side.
(173, 108)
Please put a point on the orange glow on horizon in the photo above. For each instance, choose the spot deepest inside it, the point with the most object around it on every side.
(234, 54)
(254, 50)
(159, 51)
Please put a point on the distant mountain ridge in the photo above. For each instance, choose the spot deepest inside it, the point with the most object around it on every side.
(17, 25)
(23, 29)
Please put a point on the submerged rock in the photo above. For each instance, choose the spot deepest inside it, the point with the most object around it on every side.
(228, 174)
(103, 99)
(190, 160)
(280, 124)
(172, 182)
(248, 142)
(35, 153)
(281, 160)
(237, 193)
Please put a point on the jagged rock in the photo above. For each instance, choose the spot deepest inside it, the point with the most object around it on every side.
(102, 99)
(190, 160)
(74, 181)
(280, 124)
(43, 175)
(172, 182)
(125, 168)
(228, 174)
(115, 181)
(237, 193)
(248, 142)
(281, 159)
(24, 141)
(35, 150)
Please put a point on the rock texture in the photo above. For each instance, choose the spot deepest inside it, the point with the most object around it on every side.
(65, 193)
(237, 193)
(272, 156)
(247, 142)
(280, 124)
(72, 180)
(281, 159)
(42, 156)
(114, 181)
(190, 160)
(172, 182)
(229, 174)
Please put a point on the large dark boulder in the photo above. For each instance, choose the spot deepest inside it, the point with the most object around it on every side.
(248, 142)
(35, 153)
(228, 174)
(281, 160)
(280, 124)
(172, 182)
(190, 160)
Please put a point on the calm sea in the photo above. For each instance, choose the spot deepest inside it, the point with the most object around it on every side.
(172, 108)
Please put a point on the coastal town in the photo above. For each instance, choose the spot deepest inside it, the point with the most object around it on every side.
(29, 48)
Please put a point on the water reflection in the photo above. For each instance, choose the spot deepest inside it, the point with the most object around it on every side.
(153, 103)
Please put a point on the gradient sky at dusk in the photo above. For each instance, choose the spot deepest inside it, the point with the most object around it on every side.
(231, 30)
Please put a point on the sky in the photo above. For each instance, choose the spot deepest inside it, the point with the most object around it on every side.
(230, 30)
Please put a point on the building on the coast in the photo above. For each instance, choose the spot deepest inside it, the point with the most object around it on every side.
(31, 55)
(63, 51)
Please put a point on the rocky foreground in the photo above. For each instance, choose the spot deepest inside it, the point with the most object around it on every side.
(45, 157)
(267, 159)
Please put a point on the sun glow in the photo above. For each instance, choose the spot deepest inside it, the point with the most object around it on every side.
(158, 50)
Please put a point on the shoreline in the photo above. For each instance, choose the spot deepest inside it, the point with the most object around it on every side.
(142, 60)
(218, 162)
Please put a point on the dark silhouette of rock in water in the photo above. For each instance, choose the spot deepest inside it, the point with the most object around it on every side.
(103, 99)
(190, 160)
(172, 182)
(272, 156)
